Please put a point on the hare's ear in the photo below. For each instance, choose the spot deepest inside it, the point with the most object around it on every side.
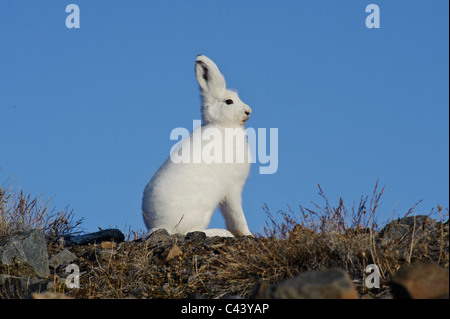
(208, 76)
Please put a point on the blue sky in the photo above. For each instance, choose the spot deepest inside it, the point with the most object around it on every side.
(86, 114)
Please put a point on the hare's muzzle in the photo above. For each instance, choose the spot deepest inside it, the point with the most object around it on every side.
(247, 111)
(247, 116)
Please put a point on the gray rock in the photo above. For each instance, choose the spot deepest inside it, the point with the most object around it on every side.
(63, 258)
(403, 228)
(195, 236)
(157, 237)
(28, 248)
(19, 287)
(325, 284)
(216, 240)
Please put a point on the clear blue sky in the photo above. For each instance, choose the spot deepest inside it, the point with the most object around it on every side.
(85, 114)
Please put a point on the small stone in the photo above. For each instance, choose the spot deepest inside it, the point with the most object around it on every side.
(175, 251)
(63, 258)
(158, 236)
(108, 244)
(61, 242)
(195, 236)
(421, 281)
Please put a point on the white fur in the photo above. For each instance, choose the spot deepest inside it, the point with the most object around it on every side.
(182, 197)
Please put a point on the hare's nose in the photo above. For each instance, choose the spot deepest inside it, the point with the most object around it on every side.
(248, 112)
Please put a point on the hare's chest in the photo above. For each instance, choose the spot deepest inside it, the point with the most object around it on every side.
(224, 146)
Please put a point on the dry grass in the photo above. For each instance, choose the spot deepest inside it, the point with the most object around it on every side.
(325, 237)
(292, 242)
(20, 212)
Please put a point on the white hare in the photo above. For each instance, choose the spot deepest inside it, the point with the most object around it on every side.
(181, 197)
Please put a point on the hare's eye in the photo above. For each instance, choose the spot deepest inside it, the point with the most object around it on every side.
(229, 101)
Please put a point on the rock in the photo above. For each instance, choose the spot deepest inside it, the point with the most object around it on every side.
(421, 281)
(175, 251)
(27, 248)
(402, 229)
(98, 254)
(324, 284)
(157, 237)
(97, 237)
(19, 287)
(195, 236)
(159, 243)
(105, 254)
(108, 244)
(412, 237)
(216, 240)
(63, 258)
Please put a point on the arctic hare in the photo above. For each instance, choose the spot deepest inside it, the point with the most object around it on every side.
(181, 197)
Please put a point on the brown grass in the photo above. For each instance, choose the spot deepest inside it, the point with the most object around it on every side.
(20, 212)
(291, 243)
(324, 237)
